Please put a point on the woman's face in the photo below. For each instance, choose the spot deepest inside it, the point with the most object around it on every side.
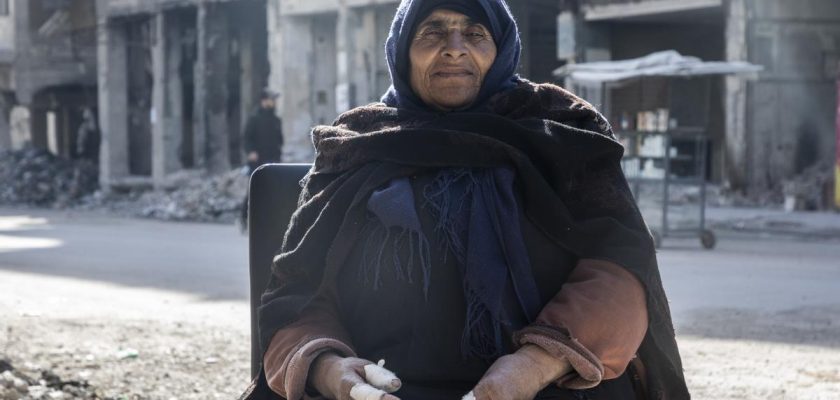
(450, 55)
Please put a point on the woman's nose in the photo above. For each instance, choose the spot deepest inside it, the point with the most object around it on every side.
(455, 46)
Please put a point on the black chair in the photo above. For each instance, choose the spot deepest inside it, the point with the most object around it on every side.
(272, 198)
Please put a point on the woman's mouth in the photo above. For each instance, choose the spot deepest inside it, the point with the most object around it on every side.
(453, 73)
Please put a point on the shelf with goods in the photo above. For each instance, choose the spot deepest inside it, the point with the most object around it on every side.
(655, 163)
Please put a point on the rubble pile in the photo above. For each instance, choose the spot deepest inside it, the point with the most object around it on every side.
(16, 385)
(37, 177)
(811, 189)
(189, 197)
(214, 199)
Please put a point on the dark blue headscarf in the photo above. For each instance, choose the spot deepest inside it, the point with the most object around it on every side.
(500, 77)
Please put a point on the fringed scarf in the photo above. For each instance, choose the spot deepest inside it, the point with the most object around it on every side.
(478, 222)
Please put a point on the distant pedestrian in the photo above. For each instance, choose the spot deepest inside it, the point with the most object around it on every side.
(264, 133)
(263, 141)
(88, 138)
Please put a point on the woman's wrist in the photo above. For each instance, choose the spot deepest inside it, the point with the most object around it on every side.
(320, 369)
(548, 367)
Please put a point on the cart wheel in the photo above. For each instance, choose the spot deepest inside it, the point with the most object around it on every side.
(657, 238)
(707, 238)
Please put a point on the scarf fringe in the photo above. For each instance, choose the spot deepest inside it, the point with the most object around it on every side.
(379, 239)
(482, 334)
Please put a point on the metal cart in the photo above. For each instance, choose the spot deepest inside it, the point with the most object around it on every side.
(682, 157)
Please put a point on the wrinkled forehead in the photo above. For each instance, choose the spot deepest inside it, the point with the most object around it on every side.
(444, 17)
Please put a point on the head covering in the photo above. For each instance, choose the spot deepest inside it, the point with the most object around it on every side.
(269, 94)
(500, 22)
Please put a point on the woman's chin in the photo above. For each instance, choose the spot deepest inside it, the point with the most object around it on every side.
(451, 100)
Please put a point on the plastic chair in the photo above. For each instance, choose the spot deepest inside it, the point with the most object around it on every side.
(272, 198)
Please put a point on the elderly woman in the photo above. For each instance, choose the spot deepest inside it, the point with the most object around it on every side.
(475, 231)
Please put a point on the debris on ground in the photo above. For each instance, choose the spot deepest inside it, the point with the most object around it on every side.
(37, 177)
(17, 385)
(810, 190)
(197, 197)
(57, 359)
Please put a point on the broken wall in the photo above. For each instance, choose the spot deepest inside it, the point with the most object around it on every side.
(791, 107)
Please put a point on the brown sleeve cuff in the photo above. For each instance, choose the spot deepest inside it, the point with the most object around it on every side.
(289, 381)
(602, 307)
(588, 370)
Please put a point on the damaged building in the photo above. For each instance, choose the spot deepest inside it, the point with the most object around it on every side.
(327, 56)
(47, 72)
(177, 81)
(762, 131)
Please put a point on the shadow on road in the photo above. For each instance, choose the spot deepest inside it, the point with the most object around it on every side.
(813, 326)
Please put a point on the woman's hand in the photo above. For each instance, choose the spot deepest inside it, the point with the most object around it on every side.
(520, 376)
(348, 378)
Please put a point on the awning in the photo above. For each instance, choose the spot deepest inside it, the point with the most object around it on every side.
(667, 63)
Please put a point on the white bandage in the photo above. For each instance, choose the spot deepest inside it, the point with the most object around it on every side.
(469, 396)
(363, 391)
(378, 376)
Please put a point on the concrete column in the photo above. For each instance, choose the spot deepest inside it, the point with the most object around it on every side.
(166, 99)
(173, 105)
(367, 51)
(735, 98)
(200, 85)
(216, 42)
(22, 70)
(5, 126)
(158, 99)
(347, 24)
(295, 61)
(21, 126)
(113, 101)
(276, 57)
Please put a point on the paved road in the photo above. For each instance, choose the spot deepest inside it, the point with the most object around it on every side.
(208, 262)
(746, 299)
(105, 266)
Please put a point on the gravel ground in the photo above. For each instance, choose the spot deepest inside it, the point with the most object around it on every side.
(728, 354)
(135, 359)
(738, 354)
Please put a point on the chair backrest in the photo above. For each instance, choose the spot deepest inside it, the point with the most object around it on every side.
(272, 198)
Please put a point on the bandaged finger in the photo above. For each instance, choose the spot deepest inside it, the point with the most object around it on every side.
(379, 377)
(469, 396)
(363, 391)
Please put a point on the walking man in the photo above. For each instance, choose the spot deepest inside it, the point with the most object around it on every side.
(263, 140)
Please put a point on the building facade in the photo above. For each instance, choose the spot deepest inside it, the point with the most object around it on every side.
(177, 81)
(763, 131)
(327, 56)
(47, 72)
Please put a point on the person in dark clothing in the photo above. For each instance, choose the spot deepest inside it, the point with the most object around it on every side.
(475, 231)
(264, 133)
(263, 142)
(88, 138)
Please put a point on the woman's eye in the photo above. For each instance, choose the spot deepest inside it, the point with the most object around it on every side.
(475, 34)
(432, 33)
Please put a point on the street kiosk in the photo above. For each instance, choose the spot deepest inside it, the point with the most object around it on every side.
(666, 153)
